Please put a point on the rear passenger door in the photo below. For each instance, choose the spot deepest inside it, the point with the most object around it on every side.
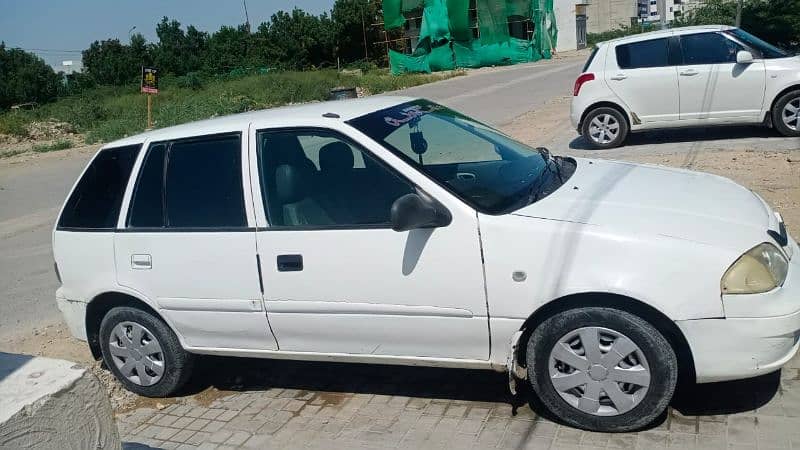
(713, 86)
(188, 242)
(643, 75)
(337, 278)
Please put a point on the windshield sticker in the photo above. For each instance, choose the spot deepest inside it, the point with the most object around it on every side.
(410, 113)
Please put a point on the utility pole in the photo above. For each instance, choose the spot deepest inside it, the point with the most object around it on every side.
(246, 17)
(739, 5)
(364, 32)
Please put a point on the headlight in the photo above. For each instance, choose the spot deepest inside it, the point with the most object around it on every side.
(761, 269)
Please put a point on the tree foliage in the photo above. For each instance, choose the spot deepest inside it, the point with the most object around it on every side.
(24, 77)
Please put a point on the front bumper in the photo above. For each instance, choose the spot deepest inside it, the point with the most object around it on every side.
(760, 334)
(74, 313)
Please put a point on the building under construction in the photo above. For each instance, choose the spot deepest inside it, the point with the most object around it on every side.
(446, 34)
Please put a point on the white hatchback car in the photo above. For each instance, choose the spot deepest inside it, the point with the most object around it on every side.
(685, 77)
(397, 231)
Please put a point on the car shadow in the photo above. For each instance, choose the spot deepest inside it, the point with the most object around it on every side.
(684, 135)
(244, 374)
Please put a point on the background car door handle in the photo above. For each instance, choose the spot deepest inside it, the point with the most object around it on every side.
(689, 73)
(290, 263)
(141, 262)
(619, 77)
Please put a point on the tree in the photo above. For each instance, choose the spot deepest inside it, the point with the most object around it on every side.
(229, 48)
(353, 19)
(111, 62)
(24, 77)
(297, 40)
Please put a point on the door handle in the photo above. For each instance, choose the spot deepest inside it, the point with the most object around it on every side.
(466, 176)
(689, 73)
(290, 263)
(619, 77)
(141, 262)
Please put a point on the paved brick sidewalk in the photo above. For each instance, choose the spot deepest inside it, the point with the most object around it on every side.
(318, 406)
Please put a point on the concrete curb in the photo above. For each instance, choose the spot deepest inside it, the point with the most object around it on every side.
(50, 403)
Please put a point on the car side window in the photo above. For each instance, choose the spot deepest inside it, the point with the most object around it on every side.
(644, 54)
(96, 200)
(708, 48)
(317, 178)
(191, 183)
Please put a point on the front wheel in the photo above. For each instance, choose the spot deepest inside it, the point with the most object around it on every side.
(605, 128)
(786, 114)
(602, 369)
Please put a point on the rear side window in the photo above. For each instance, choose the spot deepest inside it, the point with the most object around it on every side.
(147, 206)
(96, 199)
(708, 48)
(639, 55)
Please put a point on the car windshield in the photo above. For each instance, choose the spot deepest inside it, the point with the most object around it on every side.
(490, 171)
(767, 50)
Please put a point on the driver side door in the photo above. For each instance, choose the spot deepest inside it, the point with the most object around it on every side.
(337, 278)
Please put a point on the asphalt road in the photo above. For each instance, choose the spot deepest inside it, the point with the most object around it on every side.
(31, 193)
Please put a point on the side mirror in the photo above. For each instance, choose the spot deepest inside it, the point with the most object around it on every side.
(744, 57)
(412, 211)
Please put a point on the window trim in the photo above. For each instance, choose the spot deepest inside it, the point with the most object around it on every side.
(344, 138)
(77, 183)
(165, 228)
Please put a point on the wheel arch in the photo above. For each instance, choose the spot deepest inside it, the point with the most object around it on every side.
(605, 104)
(100, 305)
(793, 87)
(659, 320)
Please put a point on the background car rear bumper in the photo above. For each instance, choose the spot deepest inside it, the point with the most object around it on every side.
(74, 313)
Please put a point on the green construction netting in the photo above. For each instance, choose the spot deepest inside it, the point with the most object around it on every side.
(446, 36)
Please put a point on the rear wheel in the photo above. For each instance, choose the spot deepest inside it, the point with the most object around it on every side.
(786, 114)
(143, 353)
(604, 128)
(602, 369)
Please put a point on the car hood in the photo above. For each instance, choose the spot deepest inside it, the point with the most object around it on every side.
(663, 201)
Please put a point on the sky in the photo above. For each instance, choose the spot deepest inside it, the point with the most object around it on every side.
(61, 25)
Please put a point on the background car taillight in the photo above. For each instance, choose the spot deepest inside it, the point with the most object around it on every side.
(584, 78)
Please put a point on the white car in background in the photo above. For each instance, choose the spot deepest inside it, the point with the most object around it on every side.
(396, 231)
(685, 77)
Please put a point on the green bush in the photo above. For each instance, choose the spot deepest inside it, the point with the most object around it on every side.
(61, 144)
(14, 124)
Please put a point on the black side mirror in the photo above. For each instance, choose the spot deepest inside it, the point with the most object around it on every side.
(412, 211)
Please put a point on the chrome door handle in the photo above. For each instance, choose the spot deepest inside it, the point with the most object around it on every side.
(141, 262)
(689, 73)
(619, 77)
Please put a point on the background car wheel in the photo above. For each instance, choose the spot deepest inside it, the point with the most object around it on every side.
(605, 128)
(143, 352)
(786, 114)
(601, 369)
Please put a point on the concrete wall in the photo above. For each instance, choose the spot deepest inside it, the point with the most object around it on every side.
(606, 15)
(53, 404)
(565, 21)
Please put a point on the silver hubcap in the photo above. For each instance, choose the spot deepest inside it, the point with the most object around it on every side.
(599, 371)
(604, 128)
(136, 353)
(791, 114)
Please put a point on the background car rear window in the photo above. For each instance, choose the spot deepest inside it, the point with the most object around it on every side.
(96, 200)
(639, 55)
(204, 183)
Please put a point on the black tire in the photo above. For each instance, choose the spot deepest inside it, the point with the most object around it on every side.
(777, 114)
(178, 363)
(597, 112)
(657, 351)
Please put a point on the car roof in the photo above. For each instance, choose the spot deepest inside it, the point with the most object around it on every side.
(345, 109)
(667, 32)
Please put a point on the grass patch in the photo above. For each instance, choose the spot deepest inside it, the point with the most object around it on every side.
(61, 144)
(107, 113)
(11, 153)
